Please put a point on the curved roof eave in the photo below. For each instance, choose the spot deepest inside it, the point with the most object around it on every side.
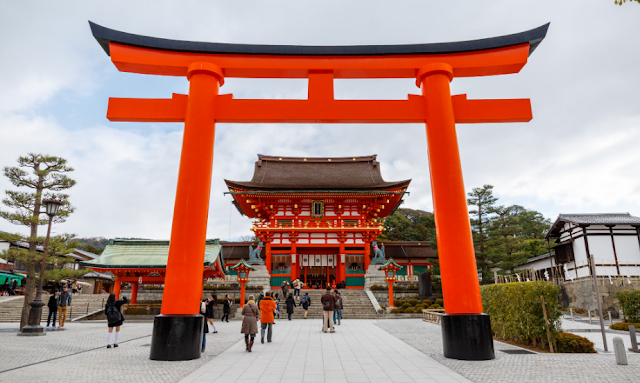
(104, 36)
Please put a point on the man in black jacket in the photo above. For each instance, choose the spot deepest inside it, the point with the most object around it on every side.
(53, 308)
(64, 302)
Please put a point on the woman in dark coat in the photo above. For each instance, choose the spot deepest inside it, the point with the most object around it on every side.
(112, 303)
(249, 322)
(226, 309)
(291, 303)
(211, 306)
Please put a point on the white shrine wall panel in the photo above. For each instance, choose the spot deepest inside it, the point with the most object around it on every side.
(627, 249)
(579, 251)
(318, 241)
(601, 248)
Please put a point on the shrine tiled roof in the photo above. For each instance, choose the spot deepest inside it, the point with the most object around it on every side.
(274, 173)
(151, 254)
(593, 219)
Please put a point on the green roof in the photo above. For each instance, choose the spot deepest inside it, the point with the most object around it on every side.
(389, 262)
(143, 254)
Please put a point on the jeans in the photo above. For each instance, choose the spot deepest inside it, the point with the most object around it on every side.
(337, 314)
(264, 326)
(204, 340)
(296, 292)
(54, 314)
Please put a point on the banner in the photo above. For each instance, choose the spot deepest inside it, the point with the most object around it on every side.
(305, 260)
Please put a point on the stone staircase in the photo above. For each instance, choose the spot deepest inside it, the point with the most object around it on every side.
(357, 305)
(11, 309)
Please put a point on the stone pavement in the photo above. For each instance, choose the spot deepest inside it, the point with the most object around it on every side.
(79, 353)
(427, 338)
(357, 352)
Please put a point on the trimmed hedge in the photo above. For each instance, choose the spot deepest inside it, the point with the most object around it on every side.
(413, 302)
(571, 343)
(409, 310)
(624, 326)
(406, 305)
(419, 308)
(439, 302)
(395, 311)
(426, 303)
(516, 311)
(630, 303)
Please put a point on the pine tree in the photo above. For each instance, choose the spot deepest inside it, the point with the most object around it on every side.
(484, 201)
(48, 176)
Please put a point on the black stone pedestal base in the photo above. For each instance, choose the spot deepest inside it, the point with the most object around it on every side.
(176, 337)
(467, 336)
(32, 330)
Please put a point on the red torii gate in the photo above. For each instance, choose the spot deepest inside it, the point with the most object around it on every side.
(178, 330)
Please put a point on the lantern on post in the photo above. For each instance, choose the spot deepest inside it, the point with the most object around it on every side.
(243, 269)
(390, 267)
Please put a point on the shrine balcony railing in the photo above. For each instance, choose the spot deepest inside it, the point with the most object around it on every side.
(336, 224)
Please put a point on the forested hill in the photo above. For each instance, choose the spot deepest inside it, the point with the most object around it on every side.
(409, 225)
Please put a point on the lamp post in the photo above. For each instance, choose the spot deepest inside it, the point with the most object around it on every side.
(243, 269)
(33, 327)
(390, 267)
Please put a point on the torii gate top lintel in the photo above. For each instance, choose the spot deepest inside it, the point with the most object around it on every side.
(320, 64)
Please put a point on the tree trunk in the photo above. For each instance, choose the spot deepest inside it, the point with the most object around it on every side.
(29, 293)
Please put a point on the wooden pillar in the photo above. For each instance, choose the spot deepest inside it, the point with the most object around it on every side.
(367, 256)
(134, 292)
(390, 293)
(341, 270)
(267, 257)
(183, 281)
(116, 287)
(460, 284)
(242, 301)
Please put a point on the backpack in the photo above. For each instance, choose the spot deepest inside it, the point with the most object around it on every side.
(304, 300)
(326, 305)
(113, 315)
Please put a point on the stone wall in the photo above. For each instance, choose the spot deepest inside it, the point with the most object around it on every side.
(580, 293)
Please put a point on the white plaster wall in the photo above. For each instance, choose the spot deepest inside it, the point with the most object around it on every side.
(579, 251)
(627, 249)
(538, 265)
(601, 248)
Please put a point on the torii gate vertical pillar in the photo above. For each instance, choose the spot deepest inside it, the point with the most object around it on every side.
(466, 331)
(177, 332)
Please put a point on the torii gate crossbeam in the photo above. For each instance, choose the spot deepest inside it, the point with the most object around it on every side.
(178, 330)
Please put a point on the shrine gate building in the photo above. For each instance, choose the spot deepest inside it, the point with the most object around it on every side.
(317, 217)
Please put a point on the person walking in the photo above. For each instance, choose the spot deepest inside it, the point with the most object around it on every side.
(204, 310)
(53, 308)
(291, 303)
(337, 310)
(64, 301)
(296, 288)
(114, 317)
(277, 301)
(267, 307)
(306, 302)
(249, 322)
(260, 298)
(226, 308)
(212, 302)
(285, 288)
(328, 305)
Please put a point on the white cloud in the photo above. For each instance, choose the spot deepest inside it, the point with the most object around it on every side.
(579, 154)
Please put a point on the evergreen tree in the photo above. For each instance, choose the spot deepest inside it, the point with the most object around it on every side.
(48, 176)
(484, 201)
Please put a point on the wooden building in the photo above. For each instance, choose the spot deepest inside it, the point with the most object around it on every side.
(611, 240)
(141, 261)
(317, 217)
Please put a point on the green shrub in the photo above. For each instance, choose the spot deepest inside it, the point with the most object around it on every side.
(398, 303)
(413, 302)
(630, 303)
(426, 303)
(419, 308)
(516, 311)
(624, 326)
(439, 302)
(570, 343)
(395, 311)
(406, 305)
(436, 306)
(401, 302)
(409, 310)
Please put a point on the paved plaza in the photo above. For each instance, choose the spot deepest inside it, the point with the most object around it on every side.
(407, 350)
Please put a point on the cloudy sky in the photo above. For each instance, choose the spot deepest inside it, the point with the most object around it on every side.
(579, 154)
